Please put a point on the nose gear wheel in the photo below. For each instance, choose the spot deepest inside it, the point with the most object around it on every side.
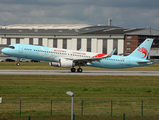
(18, 60)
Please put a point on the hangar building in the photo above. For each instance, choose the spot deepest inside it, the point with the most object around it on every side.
(100, 38)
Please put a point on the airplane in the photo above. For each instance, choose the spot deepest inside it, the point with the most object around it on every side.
(70, 58)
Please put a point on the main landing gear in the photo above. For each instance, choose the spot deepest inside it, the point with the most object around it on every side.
(78, 70)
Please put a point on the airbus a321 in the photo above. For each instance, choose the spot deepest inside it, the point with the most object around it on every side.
(69, 58)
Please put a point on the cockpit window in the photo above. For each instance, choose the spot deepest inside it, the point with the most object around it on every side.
(12, 47)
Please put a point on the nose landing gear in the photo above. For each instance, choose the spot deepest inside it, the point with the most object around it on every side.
(18, 64)
(18, 60)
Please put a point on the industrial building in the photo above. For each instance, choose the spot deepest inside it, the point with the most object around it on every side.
(99, 38)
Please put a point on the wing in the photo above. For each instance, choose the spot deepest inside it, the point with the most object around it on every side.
(84, 61)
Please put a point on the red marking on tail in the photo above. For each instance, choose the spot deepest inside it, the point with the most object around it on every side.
(143, 50)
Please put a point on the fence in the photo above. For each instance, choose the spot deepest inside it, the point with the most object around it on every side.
(112, 108)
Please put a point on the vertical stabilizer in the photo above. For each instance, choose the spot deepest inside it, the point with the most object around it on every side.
(142, 51)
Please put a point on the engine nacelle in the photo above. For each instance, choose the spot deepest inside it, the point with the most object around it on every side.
(63, 63)
(55, 59)
(66, 63)
(55, 64)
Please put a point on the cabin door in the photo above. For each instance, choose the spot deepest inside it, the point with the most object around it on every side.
(127, 61)
(20, 48)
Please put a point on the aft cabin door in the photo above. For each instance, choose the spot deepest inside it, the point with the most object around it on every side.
(20, 48)
(127, 61)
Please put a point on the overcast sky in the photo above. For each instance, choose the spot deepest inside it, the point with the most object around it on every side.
(124, 13)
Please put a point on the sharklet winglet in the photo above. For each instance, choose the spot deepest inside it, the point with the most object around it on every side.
(110, 54)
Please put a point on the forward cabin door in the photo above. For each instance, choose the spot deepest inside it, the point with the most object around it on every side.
(20, 48)
(21, 51)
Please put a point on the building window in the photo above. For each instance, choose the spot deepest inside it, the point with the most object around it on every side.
(78, 43)
(142, 37)
(115, 45)
(105, 46)
(40, 41)
(129, 37)
(17, 40)
(128, 43)
(154, 57)
(139, 42)
(128, 48)
(89, 45)
(31, 41)
(55, 42)
(64, 43)
(8, 41)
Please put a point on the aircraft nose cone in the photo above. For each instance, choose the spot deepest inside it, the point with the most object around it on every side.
(3, 51)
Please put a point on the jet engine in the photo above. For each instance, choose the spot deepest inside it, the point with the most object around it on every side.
(55, 64)
(63, 63)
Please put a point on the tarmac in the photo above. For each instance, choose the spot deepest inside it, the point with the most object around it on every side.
(85, 72)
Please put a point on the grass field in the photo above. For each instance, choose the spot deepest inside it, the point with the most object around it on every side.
(37, 91)
(49, 87)
(97, 92)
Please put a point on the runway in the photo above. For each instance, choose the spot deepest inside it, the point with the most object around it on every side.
(85, 72)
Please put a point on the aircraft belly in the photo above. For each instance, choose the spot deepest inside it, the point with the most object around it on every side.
(110, 64)
(36, 57)
(19, 55)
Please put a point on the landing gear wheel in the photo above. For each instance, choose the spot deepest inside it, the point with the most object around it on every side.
(79, 70)
(18, 64)
(73, 70)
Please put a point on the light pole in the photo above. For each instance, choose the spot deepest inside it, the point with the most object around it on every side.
(71, 94)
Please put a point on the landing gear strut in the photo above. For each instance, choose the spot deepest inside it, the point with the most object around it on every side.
(18, 60)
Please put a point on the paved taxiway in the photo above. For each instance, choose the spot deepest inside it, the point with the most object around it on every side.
(85, 72)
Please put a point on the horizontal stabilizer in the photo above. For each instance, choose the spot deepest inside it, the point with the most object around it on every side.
(144, 62)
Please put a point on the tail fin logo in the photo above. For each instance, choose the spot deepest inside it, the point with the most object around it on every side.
(143, 50)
